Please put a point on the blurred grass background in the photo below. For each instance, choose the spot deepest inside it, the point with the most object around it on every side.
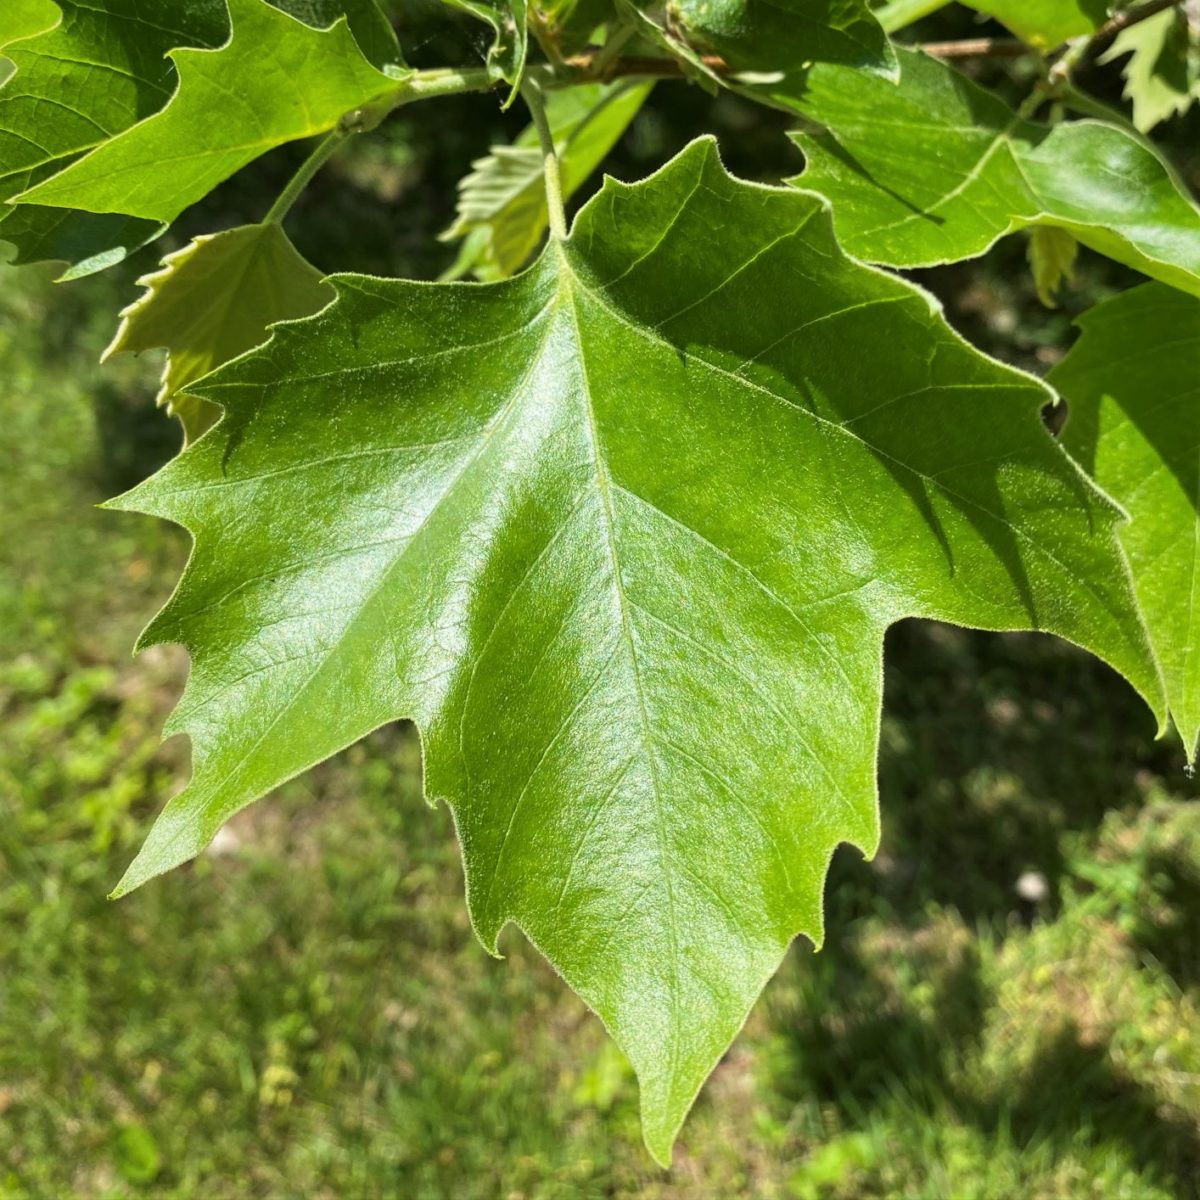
(1007, 1003)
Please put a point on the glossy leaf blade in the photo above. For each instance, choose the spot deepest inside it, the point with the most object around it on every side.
(213, 300)
(623, 535)
(1133, 385)
(275, 81)
(935, 169)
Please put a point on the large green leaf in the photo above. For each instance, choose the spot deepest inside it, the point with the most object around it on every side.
(275, 81)
(1046, 23)
(936, 169)
(90, 76)
(502, 202)
(1133, 385)
(210, 302)
(623, 535)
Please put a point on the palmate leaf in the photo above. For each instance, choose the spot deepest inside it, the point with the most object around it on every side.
(97, 69)
(1045, 23)
(83, 80)
(276, 80)
(210, 302)
(623, 535)
(502, 202)
(935, 169)
(1133, 385)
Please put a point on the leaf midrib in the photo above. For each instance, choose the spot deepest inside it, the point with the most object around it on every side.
(567, 281)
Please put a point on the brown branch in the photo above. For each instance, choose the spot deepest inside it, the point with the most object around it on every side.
(977, 48)
(589, 63)
(1124, 19)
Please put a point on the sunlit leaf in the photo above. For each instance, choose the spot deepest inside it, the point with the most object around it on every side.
(1162, 75)
(623, 535)
(290, 81)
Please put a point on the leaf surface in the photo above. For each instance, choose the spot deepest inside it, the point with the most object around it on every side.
(1045, 23)
(213, 300)
(1133, 385)
(26, 18)
(623, 535)
(935, 169)
(503, 201)
(275, 81)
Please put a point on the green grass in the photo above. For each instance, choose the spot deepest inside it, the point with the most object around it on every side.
(306, 1013)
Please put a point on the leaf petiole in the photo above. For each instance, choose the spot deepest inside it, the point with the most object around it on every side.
(324, 150)
(532, 93)
(417, 85)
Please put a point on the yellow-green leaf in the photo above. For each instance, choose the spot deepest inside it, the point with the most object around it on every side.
(275, 81)
(213, 300)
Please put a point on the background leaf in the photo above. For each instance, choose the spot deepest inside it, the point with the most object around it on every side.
(957, 170)
(565, 26)
(502, 203)
(1162, 76)
(776, 36)
(1133, 385)
(1045, 23)
(623, 534)
(290, 81)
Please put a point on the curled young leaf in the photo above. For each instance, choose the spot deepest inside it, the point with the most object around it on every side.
(213, 300)
(623, 535)
(509, 50)
(502, 203)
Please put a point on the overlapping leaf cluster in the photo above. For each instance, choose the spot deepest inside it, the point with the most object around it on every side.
(623, 531)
